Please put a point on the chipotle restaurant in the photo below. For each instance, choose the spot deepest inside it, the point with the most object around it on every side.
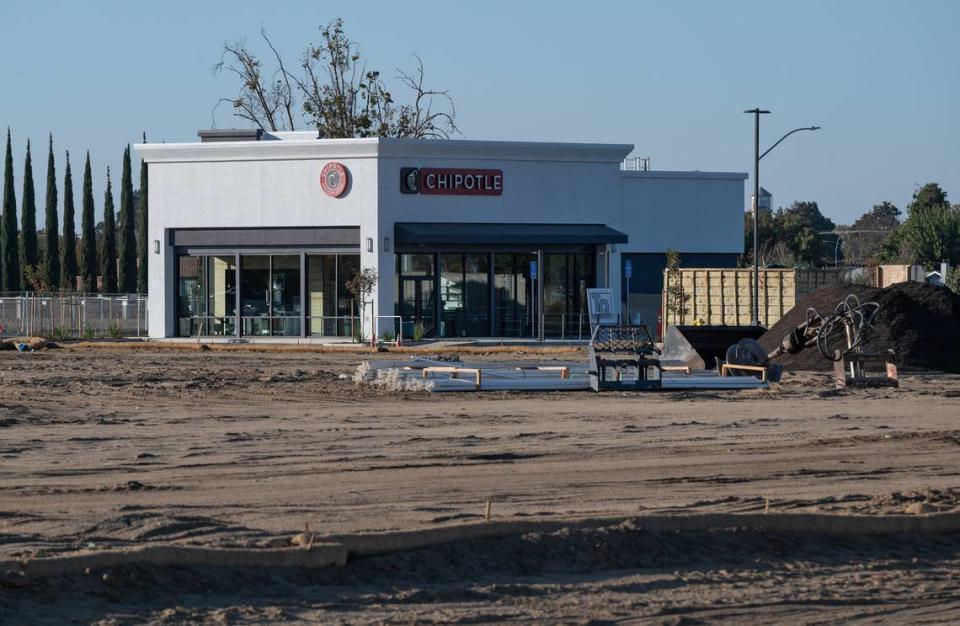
(257, 235)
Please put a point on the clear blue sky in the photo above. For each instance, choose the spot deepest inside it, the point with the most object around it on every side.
(880, 77)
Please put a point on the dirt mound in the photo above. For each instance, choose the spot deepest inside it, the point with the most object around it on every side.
(920, 322)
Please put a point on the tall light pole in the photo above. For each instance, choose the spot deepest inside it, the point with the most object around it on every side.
(756, 213)
(756, 200)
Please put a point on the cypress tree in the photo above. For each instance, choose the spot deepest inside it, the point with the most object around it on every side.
(88, 234)
(126, 237)
(68, 260)
(10, 277)
(108, 251)
(51, 227)
(142, 228)
(28, 225)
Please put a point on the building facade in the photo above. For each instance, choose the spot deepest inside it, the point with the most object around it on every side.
(257, 235)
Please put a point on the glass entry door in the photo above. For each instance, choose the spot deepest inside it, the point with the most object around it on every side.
(417, 304)
(515, 295)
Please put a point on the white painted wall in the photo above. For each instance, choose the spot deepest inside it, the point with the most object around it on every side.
(276, 183)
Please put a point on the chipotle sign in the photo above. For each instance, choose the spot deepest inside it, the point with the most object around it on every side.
(451, 181)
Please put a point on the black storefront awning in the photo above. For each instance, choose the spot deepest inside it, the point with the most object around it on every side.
(443, 233)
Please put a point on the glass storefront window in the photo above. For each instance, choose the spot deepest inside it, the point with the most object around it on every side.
(255, 294)
(221, 294)
(566, 280)
(322, 294)
(270, 295)
(285, 295)
(416, 264)
(190, 289)
(451, 295)
(513, 294)
(348, 310)
(476, 270)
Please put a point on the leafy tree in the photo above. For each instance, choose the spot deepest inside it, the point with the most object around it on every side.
(9, 256)
(51, 228)
(862, 243)
(334, 91)
(928, 196)
(88, 236)
(68, 258)
(108, 245)
(28, 221)
(677, 299)
(126, 239)
(929, 235)
(792, 236)
(142, 228)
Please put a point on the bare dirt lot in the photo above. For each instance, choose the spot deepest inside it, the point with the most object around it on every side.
(109, 448)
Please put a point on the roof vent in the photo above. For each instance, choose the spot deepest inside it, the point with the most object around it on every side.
(232, 134)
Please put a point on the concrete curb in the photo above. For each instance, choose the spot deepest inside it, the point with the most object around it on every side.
(373, 544)
(333, 550)
(319, 555)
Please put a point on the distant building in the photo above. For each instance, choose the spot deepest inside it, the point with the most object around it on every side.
(765, 201)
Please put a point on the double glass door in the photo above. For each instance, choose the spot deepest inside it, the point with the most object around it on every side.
(270, 295)
(418, 305)
(465, 295)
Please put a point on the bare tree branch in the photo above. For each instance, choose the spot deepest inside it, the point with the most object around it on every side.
(337, 93)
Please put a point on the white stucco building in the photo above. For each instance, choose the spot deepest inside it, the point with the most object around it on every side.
(255, 234)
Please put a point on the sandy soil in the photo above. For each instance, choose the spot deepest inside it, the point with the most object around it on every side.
(109, 448)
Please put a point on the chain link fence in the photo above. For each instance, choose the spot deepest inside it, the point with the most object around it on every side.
(73, 316)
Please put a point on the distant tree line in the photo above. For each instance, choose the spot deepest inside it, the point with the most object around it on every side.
(801, 236)
(110, 257)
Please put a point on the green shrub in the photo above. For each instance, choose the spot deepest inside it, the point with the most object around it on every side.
(60, 333)
(115, 330)
(88, 331)
(953, 279)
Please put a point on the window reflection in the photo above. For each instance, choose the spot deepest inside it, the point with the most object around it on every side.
(271, 296)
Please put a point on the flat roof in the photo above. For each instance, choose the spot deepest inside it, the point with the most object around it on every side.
(683, 174)
(301, 147)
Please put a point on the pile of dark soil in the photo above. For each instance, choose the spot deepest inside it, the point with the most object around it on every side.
(918, 321)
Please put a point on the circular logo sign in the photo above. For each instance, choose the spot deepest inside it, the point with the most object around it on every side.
(333, 179)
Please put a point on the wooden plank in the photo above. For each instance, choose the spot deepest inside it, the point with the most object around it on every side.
(726, 367)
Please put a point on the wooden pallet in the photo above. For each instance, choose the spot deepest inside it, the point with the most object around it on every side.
(727, 368)
(848, 369)
(454, 372)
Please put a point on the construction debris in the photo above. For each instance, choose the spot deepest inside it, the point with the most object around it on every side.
(443, 376)
(919, 322)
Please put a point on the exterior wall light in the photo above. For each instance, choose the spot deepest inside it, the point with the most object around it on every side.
(156, 246)
(369, 244)
(386, 244)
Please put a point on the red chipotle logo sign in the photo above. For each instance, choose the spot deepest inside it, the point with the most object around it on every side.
(333, 179)
(451, 181)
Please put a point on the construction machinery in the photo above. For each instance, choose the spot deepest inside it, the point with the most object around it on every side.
(839, 337)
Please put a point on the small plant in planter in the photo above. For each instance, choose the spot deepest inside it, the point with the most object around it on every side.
(419, 331)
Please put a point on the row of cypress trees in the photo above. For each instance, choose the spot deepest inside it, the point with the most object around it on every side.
(120, 259)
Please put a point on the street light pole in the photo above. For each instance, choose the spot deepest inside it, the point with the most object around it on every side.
(756, 213)
(756, 203)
